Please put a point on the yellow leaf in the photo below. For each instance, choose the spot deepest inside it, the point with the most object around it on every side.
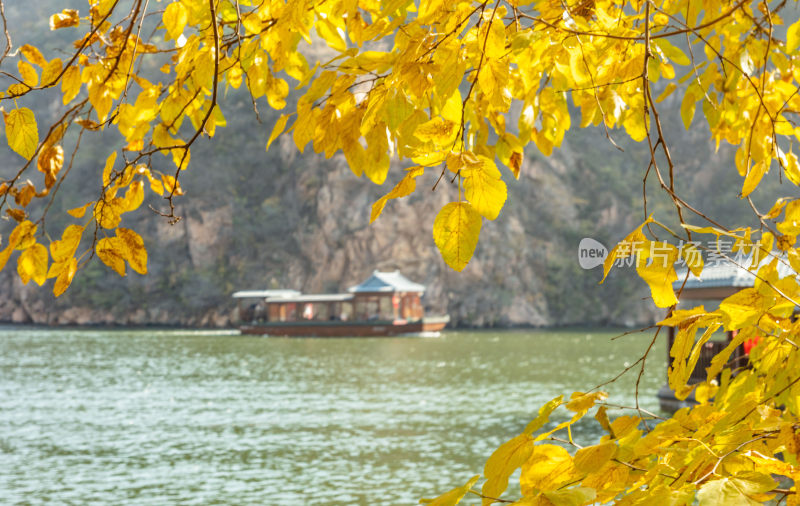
(672, 52)
(405, 187)
(65, 247)
(132, 247)
(304, 126)
(635, 125)
(181, 158)
(667, 92)
(494, 39)
(692, 257)
(134, 196)
(6, 254)
(17, 214)
(660, 273)
(544, 415)
(355, 155)
(51, 159)
(792, 169)
(791, 223)
(438, 130)
(100, 95)
(51, 72)
(23, 235)
(280, 125)
(515, 163)
(793, 37)
(156, 186)
(78, 212)
(704, 392)
(277, 91)
(743, 308)
(580, 402)
(108, 167)
(660, 19)
(22, 132)
(575, 496)
(331, 35)
(504, 461)
(65, 277)
(33, 55)
(175, 18)
(107, 212)
(754, 176)
(484, 188)
(687, 108)
(398, 108)
(89, 124)
(577, 67)
(21, 238)
(26, 193)
(455, 232)
(548, 467)
(29, 75)
(64, 19)
(377, 159)
(683, 316)
(110, 251)
(171, 185)
(632, 246)
(736, 490)
(70, 84)
(452, 497)
(591, 458)
(32, 264)
(456, 162)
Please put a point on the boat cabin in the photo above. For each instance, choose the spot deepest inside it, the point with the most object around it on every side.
(384, 296)
(388, 296)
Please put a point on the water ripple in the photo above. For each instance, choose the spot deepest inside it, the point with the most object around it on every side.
(144, 417)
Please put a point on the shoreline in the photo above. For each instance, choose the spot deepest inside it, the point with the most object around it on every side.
(8, 325)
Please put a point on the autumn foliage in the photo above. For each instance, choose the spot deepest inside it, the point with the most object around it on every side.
(461, 89)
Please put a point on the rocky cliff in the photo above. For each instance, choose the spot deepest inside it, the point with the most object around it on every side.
(253, 220)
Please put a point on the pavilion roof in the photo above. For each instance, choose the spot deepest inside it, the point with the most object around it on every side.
(387, 282)
(264, 294)
(725, 274)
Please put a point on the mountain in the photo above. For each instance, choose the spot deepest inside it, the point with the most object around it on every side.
(253, 219)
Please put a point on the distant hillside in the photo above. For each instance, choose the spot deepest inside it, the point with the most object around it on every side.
(280, 219)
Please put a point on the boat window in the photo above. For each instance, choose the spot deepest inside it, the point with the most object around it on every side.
(386, 310)
(361, 309)
(275, 312)
(246, 312)
(259, 312)
(321, 311)
(346, 311)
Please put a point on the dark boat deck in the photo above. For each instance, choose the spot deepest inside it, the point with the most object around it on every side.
(339, 328)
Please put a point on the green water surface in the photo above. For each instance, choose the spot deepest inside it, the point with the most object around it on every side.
(164, 417)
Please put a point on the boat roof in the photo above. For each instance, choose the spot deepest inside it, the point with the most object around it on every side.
(264, 294)
(325, 297)
(724, 274)
(387, 282)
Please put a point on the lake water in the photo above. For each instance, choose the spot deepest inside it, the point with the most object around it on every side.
(154, 417)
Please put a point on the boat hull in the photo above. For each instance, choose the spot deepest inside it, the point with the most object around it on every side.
(346, 328)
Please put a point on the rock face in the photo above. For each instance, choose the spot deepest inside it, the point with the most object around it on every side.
(252, 220)
(307, 227)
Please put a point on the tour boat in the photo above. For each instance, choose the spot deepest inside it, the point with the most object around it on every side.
(386, 304)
